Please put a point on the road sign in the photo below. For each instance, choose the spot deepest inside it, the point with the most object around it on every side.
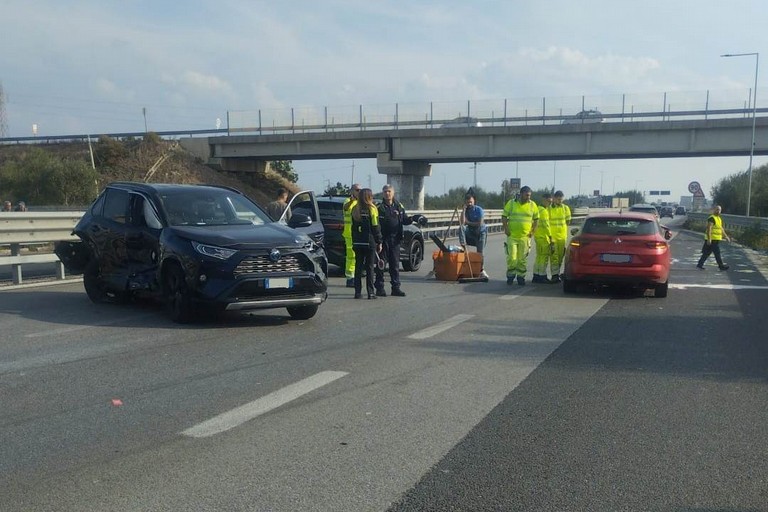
(514, 185)
(695, 189)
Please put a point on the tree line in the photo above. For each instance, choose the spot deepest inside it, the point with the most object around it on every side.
(731, 193)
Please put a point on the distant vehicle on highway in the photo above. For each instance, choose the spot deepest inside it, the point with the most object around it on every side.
(629, 248)
(462, 122)
(584, 117)
(667, 211)
(196, 248)
(644, 208)
(680, 210)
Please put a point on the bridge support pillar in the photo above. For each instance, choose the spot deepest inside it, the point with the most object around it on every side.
(407, 176)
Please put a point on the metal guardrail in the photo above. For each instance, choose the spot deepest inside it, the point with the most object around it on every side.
(20, 231)
(732, 223)
(25, 230)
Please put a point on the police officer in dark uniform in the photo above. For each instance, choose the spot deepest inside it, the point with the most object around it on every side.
(392, 218)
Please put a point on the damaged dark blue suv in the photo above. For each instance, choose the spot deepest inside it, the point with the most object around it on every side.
(197, 247)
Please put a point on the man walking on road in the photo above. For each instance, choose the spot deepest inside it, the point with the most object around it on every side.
(559, 220)
(715, 233)
(519, 219)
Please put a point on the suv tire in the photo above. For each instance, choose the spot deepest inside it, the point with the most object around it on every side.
(177, 299)
(93, 284)
(303, 312)
(96, 288)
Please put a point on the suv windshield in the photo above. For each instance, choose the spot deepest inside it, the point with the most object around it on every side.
(210, 207)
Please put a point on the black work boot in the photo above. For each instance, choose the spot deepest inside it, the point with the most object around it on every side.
(397, 292)
(380, 292)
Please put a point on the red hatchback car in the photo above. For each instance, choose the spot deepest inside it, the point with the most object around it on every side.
(629, 248)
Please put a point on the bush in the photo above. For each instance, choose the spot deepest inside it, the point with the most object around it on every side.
(754, 236)
(109, 152)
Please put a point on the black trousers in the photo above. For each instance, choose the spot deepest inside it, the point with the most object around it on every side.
(711, 248)
(390, 252)
(364, 261)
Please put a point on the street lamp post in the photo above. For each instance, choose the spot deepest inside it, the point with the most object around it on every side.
(754, 111)
(580, 168)
(554, 176)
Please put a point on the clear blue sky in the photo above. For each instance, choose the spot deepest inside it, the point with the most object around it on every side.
(93, 66)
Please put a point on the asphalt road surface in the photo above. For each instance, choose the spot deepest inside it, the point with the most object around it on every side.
(477, 396)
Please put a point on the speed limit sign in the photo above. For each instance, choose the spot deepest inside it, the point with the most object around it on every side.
(695, 189)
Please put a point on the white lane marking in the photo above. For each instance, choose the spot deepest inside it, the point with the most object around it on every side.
(720, 286)
(75, 328)
(251, 410)
(438, 328)
(515, 294)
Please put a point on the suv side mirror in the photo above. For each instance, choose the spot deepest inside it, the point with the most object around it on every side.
(299, 220)
(667, 234)
(574, 231)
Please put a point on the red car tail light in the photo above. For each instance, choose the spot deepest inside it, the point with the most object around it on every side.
(662, 246)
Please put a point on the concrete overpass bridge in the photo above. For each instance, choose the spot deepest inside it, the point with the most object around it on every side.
(405, 154)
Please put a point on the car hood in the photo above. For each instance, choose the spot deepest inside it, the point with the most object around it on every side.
(242, 236)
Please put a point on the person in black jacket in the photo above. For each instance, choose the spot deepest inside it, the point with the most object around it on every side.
(392, 218)
(366, 241)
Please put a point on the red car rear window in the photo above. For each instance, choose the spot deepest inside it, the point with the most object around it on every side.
(619, 227)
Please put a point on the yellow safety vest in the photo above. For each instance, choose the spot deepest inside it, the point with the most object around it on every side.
(347, 211)
(520, 217)
(717, 227)
(559, 219)
(543, 227)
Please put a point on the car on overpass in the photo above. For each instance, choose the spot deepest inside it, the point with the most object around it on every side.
(619, 248)
(196, 249)
(584, 117)
(332, 217)
(462, 122)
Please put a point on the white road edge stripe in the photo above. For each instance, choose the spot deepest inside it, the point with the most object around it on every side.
(438, 328)
(251, 410)
(719, 286)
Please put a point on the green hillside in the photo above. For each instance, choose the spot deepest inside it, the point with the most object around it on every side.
(35, 173)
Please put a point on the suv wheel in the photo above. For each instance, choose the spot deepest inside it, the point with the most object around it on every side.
(94, 285)
(415, 255)
(303, 312)
(96, 288)
(177, 299)
(660, 290)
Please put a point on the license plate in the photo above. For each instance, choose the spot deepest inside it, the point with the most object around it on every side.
(616, 258)
(278, 282)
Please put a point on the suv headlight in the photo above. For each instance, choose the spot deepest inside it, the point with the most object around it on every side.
(307, 243)
(220, 253)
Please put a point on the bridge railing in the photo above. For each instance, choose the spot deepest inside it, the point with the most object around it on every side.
(620, 108)
(27, 237)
